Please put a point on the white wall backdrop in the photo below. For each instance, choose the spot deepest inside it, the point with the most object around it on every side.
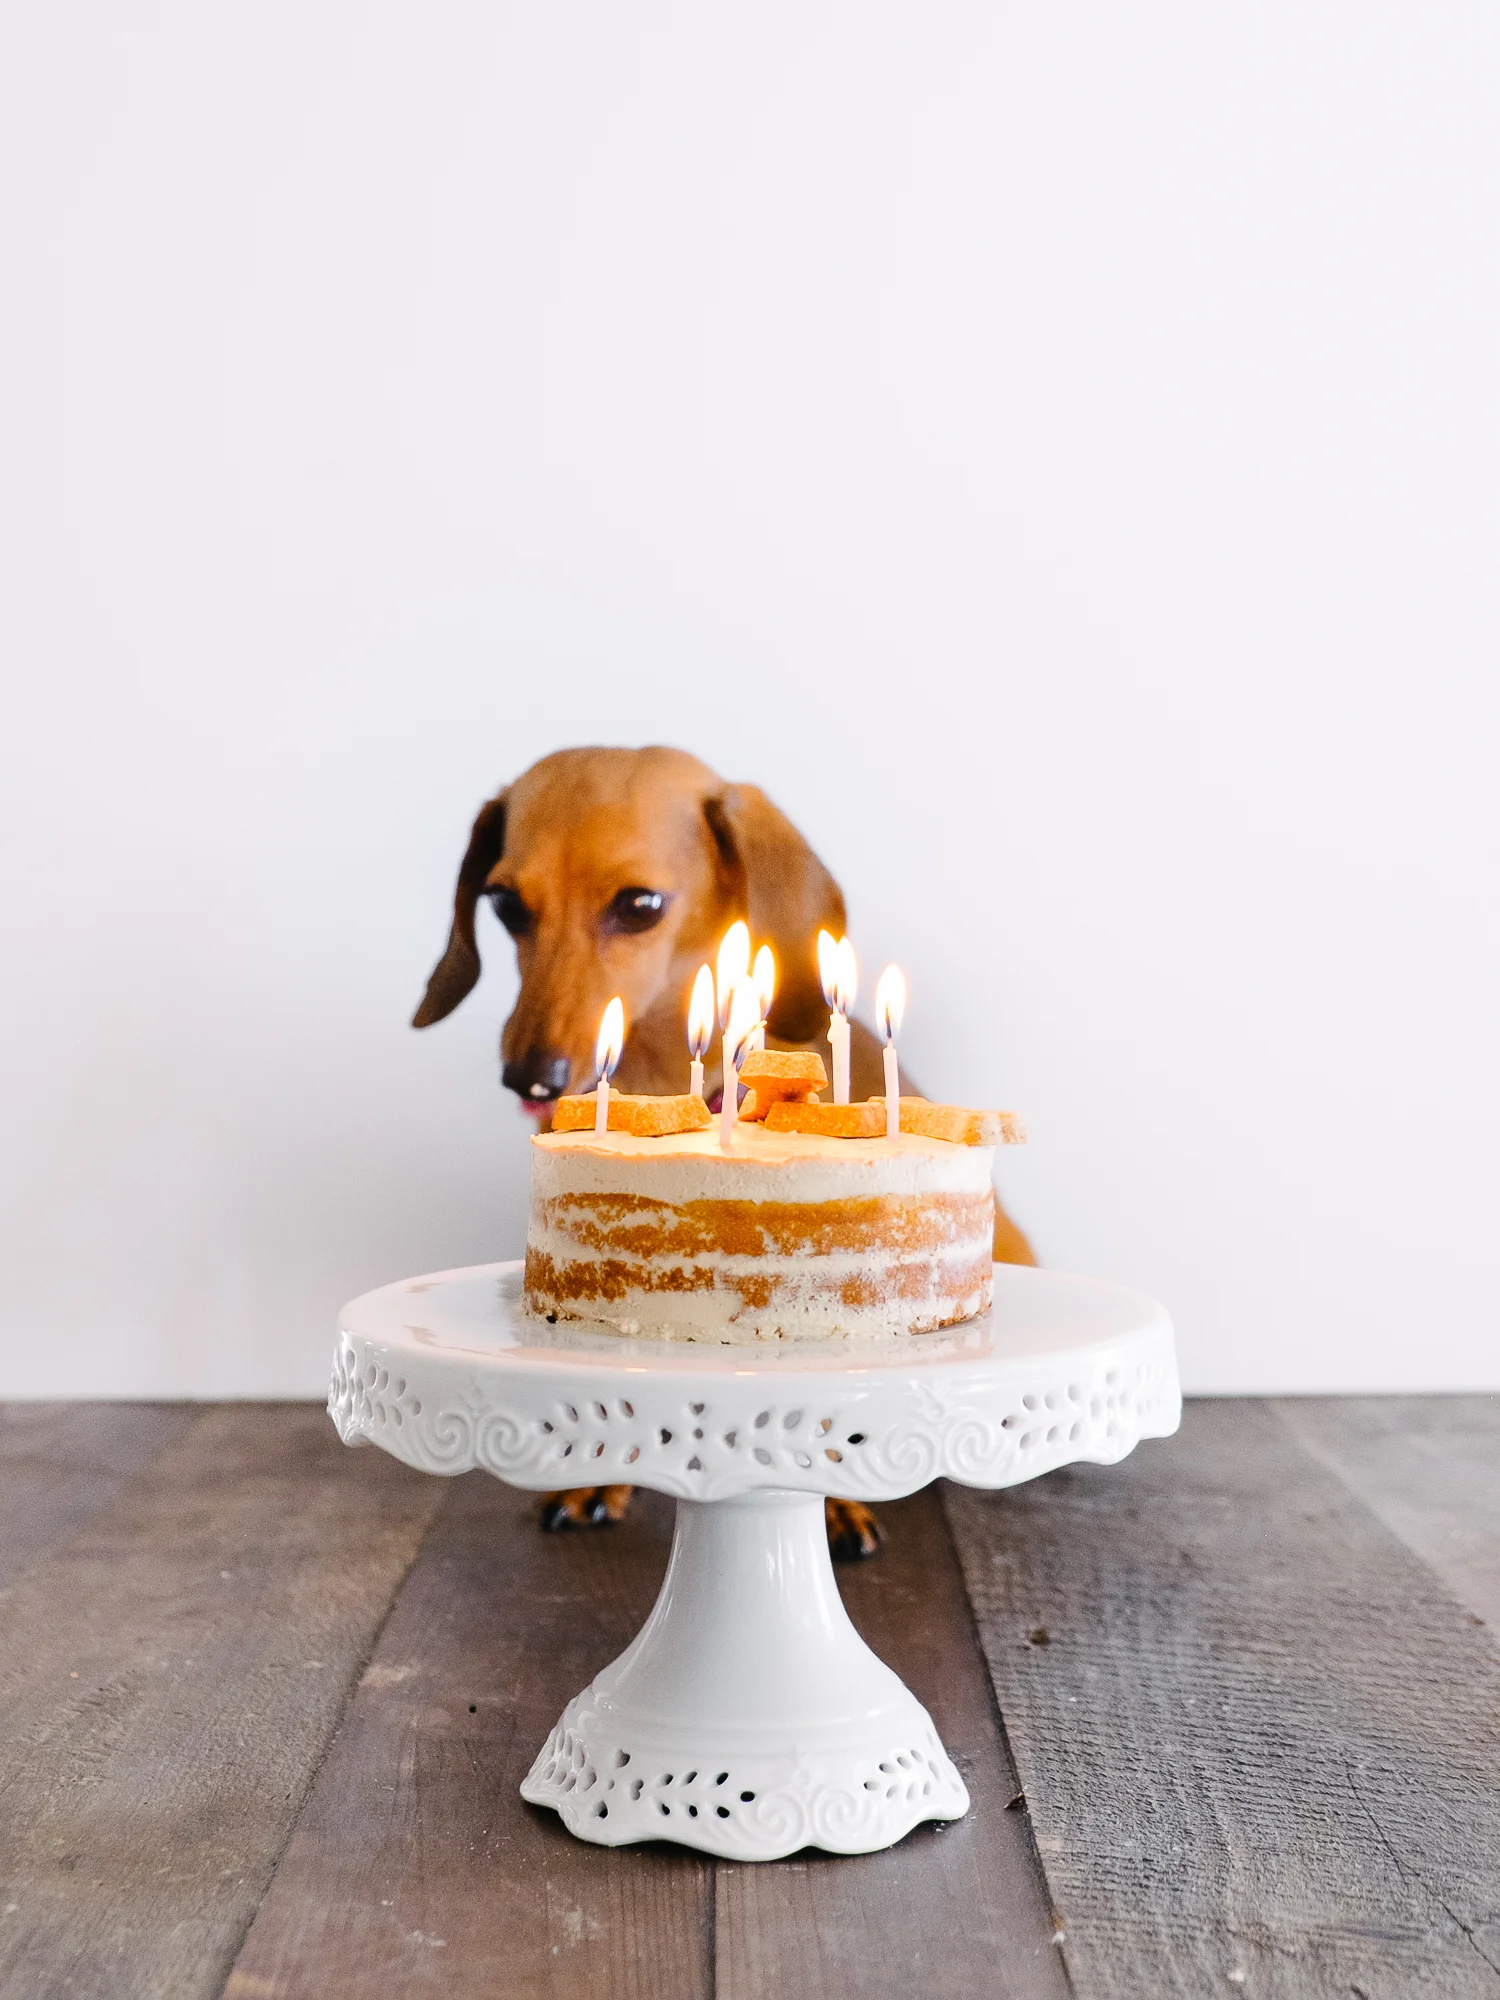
(1056, 447)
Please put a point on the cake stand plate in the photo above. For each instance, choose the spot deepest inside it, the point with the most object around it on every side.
(747, 1717)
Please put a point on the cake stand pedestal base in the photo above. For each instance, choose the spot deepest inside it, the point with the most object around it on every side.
(747, 1718)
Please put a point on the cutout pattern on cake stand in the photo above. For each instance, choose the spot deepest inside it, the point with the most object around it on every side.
(748, 1718)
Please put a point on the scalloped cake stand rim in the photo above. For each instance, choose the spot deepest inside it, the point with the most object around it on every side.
(449, 1373)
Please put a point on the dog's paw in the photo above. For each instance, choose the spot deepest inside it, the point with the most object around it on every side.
(853, 1531)
(585, 1507)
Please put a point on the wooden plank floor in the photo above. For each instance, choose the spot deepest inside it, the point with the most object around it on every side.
(266, 1704)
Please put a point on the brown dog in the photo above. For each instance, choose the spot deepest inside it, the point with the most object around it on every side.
(618, 871)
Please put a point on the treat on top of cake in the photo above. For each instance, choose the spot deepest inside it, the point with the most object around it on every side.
(647, 1117)
(828, 1121)
(954, 1122)
(777, 1076)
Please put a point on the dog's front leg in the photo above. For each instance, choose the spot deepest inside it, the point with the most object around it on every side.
(585, 1507)
(853, 1530)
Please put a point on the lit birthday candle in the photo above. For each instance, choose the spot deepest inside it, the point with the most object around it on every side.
(828, 973)
(700, 1026)
(763, 977)
(744, 1018)
(890, 1005)
(607, 1052)
(839, 972)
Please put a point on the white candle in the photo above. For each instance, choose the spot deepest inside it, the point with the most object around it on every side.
(742, 1018)
(607, 1051)
(729, 1107)
(700, 1026)
(845, 986)
(890, 1006)
(838, 1037)
(828, 973)
(733, 966)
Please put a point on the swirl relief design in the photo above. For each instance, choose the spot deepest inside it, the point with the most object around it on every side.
(611, 1789)
(870, 1435)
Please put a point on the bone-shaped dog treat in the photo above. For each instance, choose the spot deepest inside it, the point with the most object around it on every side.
(643, 1117)
(828, 1121)
(958, 1126)
(780, 1076)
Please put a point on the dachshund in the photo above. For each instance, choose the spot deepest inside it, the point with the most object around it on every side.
(617, 872)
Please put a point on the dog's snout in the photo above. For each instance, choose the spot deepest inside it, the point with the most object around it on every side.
(539, 1076)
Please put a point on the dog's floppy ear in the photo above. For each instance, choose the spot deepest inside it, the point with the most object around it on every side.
(457, 971)
(786, 893)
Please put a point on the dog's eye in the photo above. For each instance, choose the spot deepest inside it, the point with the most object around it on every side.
(511, 910)
(635, 910)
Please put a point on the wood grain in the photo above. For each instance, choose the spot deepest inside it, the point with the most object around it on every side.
(953, 1911)
(1259, 1726)
(1429, 1466)
(1260, 1741)
(415, 1867)
(63, 1463)
(169, 1677)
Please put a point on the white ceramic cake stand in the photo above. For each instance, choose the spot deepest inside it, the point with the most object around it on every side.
(748, 1717)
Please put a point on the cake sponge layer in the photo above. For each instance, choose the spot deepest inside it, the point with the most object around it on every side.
(787, 1236)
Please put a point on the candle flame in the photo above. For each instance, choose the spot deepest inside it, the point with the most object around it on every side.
(744, 1019)
(846, 978)
(828, 965)
(611, 1042)
(701, 1014)
(890, 1003)
(734, 963)
(764, 976)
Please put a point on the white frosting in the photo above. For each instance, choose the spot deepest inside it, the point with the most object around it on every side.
(761, 1166)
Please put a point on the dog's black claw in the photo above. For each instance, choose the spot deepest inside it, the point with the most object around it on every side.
(598, 1512)
(554, 1516)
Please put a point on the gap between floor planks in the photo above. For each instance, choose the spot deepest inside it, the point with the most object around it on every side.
(416, 1867)
(170, 1672)
(1427, 1467)
(1260, 1738)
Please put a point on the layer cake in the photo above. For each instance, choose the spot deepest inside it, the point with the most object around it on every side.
(788, 1236)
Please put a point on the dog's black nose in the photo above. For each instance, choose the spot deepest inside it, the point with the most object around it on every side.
(539, 1076)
